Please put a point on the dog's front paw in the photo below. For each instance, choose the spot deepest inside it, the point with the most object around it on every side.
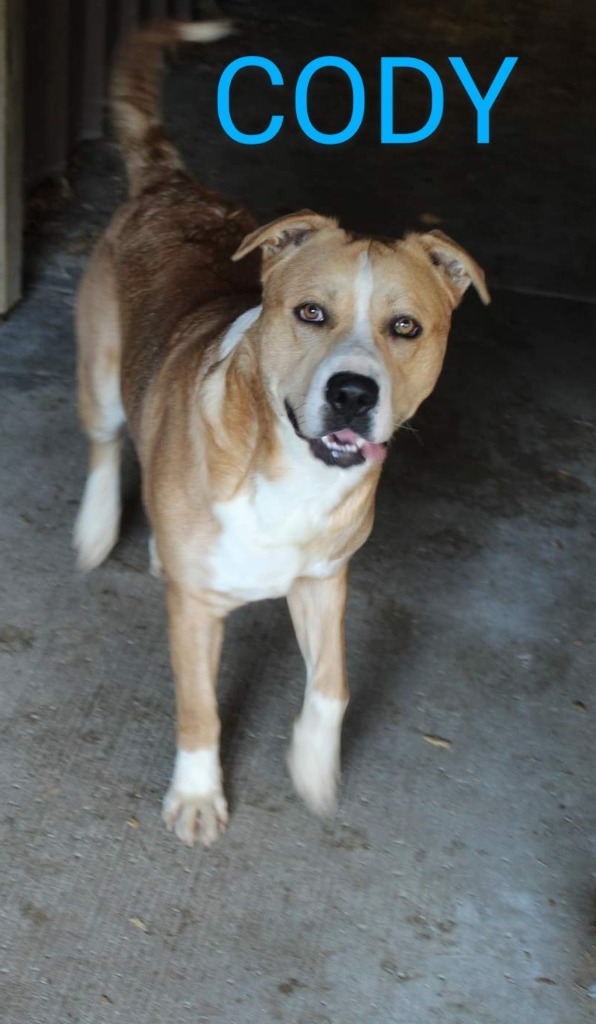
(194, 806)
(314, 781)
(198, 817)
(313, 757)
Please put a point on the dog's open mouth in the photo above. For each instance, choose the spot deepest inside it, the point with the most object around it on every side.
(346, 448)
(343, 448)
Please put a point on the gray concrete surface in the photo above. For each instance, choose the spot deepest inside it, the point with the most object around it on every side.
(455, 884)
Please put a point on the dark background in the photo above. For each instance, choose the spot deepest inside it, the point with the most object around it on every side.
(522, 204)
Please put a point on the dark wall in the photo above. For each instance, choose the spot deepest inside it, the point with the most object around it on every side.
(67, 49)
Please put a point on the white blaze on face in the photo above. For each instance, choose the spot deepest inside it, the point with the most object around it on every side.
(363, 291)
(363, 344)
(357, 353)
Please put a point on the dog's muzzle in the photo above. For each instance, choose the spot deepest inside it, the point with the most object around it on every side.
(350, 398)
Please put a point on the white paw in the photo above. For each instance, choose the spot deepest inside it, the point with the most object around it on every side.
(195, 817)
(314, 781)
(313, 757)
(194, 806)
(96, 527)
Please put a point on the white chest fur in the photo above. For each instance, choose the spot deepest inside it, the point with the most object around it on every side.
(267, 529)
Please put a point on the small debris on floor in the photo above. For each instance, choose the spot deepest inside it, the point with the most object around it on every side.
(437, 741)
(138, 923)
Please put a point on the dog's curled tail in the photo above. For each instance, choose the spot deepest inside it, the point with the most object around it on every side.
(148, 153)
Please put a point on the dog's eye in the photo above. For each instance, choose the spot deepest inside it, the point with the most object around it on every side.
(311, 313)
(406, 327)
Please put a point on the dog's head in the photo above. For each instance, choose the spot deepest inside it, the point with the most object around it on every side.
(353, 330)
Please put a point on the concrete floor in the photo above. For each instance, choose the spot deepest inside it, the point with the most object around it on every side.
(455, 884)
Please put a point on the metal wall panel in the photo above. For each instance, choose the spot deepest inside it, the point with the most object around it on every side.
(68, 46)
(11, 152)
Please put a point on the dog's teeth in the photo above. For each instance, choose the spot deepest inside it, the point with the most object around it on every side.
(337, 448)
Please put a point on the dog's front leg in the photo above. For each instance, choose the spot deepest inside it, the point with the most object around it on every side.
(195, 803)
(317, 608)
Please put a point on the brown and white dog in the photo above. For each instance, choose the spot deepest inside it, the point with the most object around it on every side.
(260, 395)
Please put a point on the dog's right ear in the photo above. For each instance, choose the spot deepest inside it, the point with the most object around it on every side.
(282, 237)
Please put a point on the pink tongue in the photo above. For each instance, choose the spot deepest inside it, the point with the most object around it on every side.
(374, 452)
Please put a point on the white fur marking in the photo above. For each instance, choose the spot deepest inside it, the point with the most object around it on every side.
(195, 798)
(356, 354)
(155, 566)
(313, 758)
(197, 772)
(96, 527)
(112, 411)
(363, 290)
(260, 550)
(237, 330)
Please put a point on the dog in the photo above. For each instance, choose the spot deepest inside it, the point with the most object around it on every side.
(261, 372)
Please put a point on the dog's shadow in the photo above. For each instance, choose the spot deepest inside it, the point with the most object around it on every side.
(133, 522)
(376, 663)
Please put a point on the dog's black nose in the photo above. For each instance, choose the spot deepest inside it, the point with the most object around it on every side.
(352, 394)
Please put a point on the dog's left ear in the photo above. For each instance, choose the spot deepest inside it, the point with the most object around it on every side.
(282, 237)
(456, 267)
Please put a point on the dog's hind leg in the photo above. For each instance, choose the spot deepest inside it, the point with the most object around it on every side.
(100, 410)
(155, 566)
